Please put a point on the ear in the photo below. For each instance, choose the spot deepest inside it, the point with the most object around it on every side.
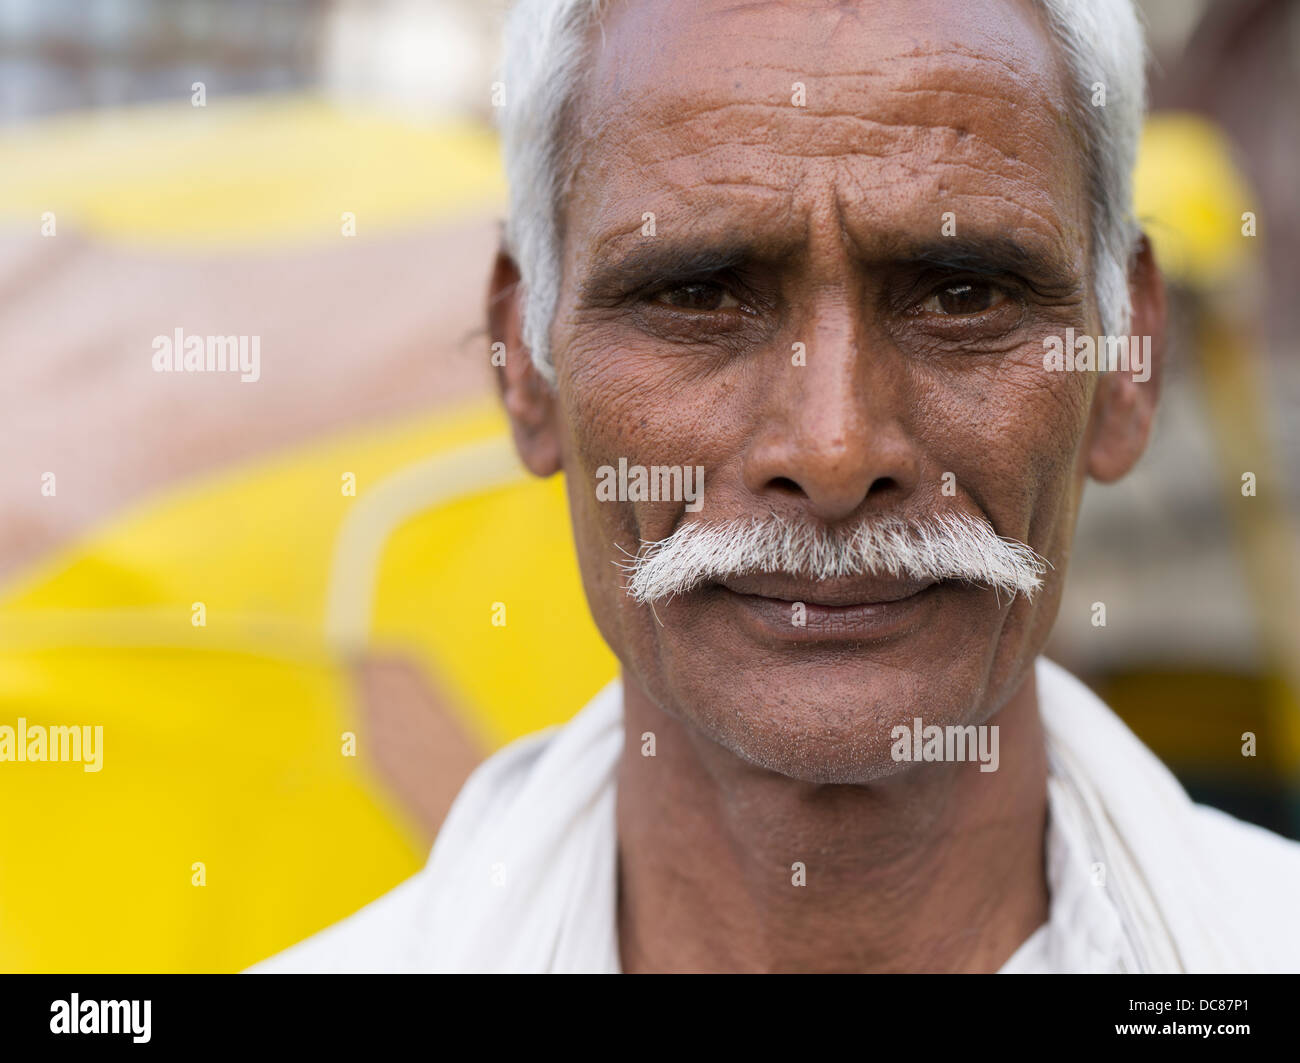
(1123, 408)
(529, 401)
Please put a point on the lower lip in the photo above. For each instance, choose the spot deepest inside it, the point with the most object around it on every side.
(773, 618)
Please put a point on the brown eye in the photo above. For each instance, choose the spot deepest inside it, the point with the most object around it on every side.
(698, 295)
(963, 298)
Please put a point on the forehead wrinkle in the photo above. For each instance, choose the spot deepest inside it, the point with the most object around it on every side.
(862, 197)
(929, 161)
(682, 197)
(867, 212)
(646, 74)
(667, 126)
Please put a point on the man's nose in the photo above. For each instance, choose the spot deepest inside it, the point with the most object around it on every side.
(834, 433)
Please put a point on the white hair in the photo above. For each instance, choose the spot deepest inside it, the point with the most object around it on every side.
(1101, 42)
(953, 546)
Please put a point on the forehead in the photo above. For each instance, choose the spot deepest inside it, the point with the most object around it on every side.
(884, 114)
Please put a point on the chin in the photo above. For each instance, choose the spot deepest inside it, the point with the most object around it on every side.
(821, 705)
(827, 723)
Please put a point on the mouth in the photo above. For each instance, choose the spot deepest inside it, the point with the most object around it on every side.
(789, 609)
(834, 594)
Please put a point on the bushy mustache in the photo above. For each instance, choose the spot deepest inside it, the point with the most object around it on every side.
(950, 546)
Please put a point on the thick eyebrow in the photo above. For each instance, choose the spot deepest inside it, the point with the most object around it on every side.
(990, 255)
(660, 261)
(663, 262)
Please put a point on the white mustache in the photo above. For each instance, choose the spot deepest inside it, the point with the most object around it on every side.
(953, 546)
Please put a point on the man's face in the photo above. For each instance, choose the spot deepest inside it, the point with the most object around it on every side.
(919, 225)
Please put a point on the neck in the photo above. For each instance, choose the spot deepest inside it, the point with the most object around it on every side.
(939, 868)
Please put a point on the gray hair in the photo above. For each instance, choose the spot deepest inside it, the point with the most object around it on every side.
(545, 48)
(952, 546)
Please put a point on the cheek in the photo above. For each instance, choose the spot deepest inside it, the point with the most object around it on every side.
(650, 409)
(615, 407)
(1011, 434)
(1013, 437)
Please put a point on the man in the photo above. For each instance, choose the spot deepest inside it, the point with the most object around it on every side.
(792, 294)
